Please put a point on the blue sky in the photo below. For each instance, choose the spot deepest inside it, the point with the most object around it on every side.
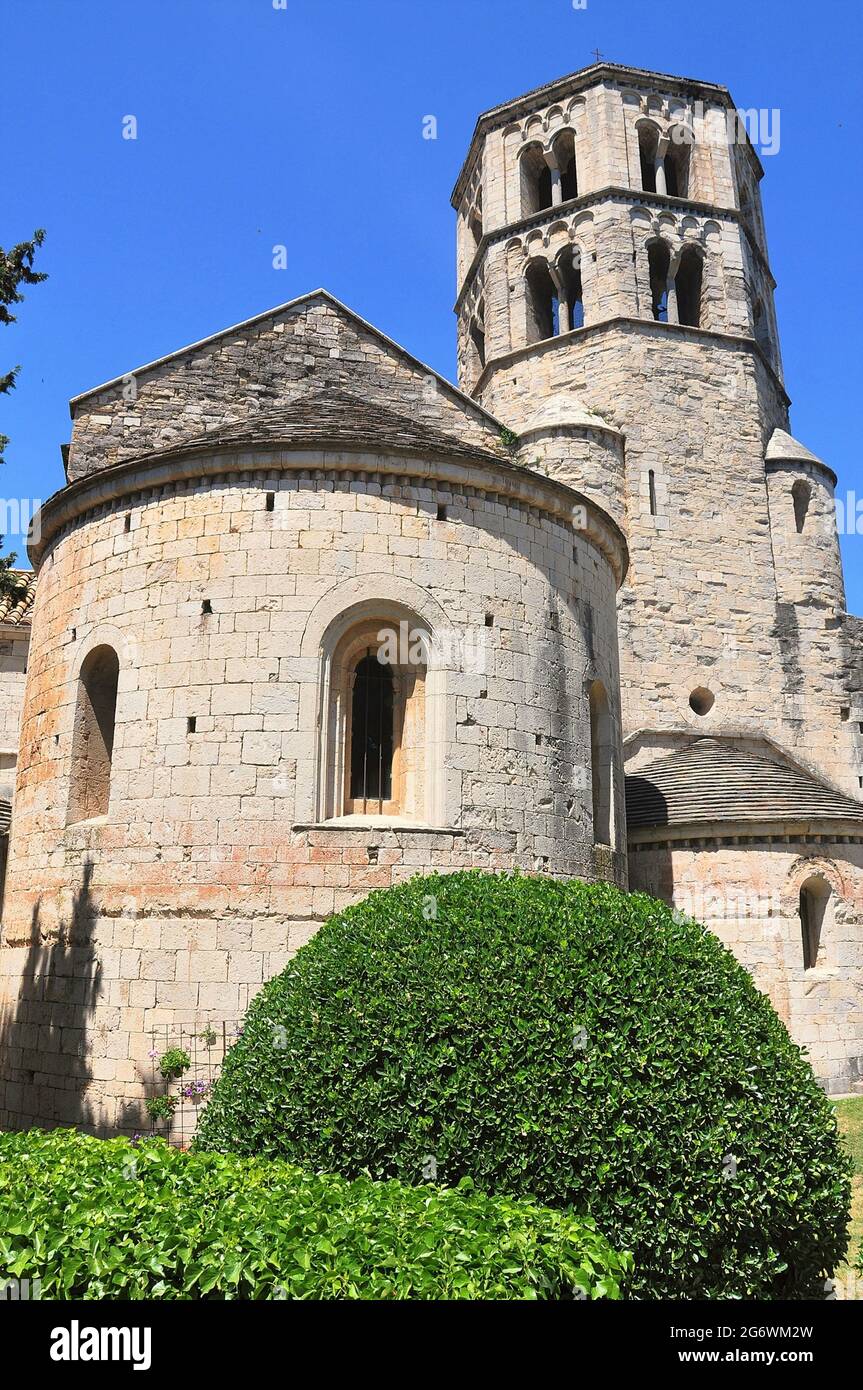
(303, 127)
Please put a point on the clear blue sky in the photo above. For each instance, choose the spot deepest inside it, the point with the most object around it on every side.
(260, 126)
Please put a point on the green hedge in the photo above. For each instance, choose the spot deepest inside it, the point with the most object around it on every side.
(570, 1042)
(103, 1219)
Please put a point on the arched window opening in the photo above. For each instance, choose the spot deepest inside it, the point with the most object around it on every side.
(477, 337)
(571, 313)
(659, 261)
(815, 907)
(543, 305)
(762, 328)
(375, 749)
(648, 140)
(535, 181)
(564, 153)
(475, 220)
(688, 281)
(93, 735)
(601, 764)
(372, 733)
(651, 489)
(801, 494)
(676, 164)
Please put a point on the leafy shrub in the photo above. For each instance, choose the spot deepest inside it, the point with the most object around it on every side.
(568, 1041)
(97, 1219)
(174, 1062)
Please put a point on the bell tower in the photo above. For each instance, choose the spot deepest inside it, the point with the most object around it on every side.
(611, 194)
(615, 311)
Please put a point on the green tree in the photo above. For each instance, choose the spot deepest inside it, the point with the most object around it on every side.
(16, 269)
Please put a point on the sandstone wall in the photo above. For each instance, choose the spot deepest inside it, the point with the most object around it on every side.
(748, 893)
(211, 866)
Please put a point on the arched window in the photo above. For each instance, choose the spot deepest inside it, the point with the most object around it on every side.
(801, 495)
(815, 908)
(651, 490)
(571, 298)
(659, 261)
(372, 734)
(761, 326)
(601, 764)
(93, 735)
(648, 140)
(688, 282)
(676, 162)
(376, 750)
(477, 334)
(475, 219)
(535, 181)
(543, 305)
(564, 154)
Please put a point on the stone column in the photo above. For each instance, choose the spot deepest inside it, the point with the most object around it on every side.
(659, 167)
(556, 187)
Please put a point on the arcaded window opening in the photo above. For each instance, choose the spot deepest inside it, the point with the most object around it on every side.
(648, 140)
(761, 326)
(570, 294)
(659, 262)
(475, 220)
(688, 284)
(535, 181)
(477, 335)
(543, 304)
(601, 764)
(816, 902)
(677, 165)
(801, 495)
(93, 735)
(564, 154)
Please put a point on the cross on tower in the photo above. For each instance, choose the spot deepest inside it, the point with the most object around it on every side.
(597, 55)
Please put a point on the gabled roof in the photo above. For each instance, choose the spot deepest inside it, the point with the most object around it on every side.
(714, 780)
(279, 311)
(331, 418)
(16, 610)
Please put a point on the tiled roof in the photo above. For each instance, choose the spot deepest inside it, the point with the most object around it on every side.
(333, 418)
(16, 609)
(718, 780)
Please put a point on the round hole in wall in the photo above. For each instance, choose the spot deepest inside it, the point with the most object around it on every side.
(701, 700)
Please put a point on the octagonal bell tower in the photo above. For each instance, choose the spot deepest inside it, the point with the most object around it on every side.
(615, 310)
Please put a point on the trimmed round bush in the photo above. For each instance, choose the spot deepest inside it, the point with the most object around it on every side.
(96, 1219)
(587, 1047)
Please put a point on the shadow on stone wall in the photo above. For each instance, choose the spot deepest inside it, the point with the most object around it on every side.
(45, 1071)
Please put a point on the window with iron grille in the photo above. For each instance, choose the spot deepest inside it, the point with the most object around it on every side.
(372, 727)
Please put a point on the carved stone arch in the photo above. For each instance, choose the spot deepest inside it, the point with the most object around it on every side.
(534, 242)
(125, 644)
(559, 228)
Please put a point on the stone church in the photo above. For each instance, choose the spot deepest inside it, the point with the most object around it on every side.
(309, 619)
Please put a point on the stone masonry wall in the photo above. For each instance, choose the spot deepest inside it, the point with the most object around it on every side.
(210, 868)
(749, 896)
